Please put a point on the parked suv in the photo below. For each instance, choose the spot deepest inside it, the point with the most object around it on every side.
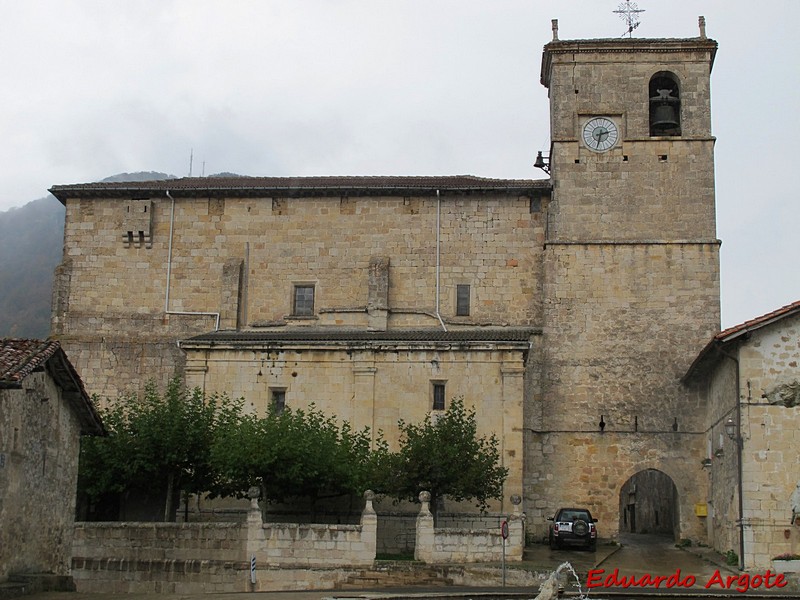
(573, 526)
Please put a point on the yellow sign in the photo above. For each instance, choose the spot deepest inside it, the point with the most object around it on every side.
(701, 509)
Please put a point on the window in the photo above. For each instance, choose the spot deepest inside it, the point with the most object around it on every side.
(277, 400)
(438, 395)
(303, 303)
(462, 300)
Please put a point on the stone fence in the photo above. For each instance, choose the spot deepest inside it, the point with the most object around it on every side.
(256, 556)
(453, 545)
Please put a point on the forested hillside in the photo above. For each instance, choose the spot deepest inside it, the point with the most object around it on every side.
(31, 239)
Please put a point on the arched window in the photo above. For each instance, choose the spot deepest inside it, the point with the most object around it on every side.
(665, 104)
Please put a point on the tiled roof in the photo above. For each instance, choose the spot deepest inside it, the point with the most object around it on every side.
(737, 330)
(301, 186)
(21, 357)
(710, 353)
(322, 335)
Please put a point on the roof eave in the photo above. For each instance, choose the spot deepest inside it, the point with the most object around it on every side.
(513, 187)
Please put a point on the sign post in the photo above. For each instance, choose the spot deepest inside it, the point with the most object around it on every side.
(253, 569)
(504, 534)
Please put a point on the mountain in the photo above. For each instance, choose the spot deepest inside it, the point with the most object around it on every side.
(31, 245)
(31, 241)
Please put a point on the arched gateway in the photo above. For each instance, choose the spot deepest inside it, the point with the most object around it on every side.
(648, 503)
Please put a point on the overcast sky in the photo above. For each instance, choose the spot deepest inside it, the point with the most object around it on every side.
(91, 88)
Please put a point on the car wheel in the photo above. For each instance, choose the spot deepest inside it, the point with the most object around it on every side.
(580, 528)
(592, 546)
(553, 543)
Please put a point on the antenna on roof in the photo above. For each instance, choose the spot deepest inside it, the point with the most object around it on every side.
(629, 12)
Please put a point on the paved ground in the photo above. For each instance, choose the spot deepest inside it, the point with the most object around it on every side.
(637, 556)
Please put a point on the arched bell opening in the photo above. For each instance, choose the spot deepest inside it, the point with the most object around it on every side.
(665, 104)
(648, 503)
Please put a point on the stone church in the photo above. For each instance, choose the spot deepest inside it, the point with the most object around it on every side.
(565, 310)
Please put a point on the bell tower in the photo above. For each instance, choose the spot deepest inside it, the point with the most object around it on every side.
(631, 290)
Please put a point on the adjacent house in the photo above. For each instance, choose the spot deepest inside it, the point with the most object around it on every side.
(44, 410)
(749, 379)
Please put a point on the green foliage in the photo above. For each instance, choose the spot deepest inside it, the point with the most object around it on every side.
(156, 441)
(447, 458)
(181, 441)
(292, 454)
(731, 558)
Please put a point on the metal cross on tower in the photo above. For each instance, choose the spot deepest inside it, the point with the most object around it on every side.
(629, 12)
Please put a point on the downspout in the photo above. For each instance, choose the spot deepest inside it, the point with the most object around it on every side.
(438, 261)
(169, 274)
(739, 442)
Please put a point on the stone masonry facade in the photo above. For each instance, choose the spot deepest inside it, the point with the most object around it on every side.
(38, 465)
(749, 378)
(43, 413)
(551, 306)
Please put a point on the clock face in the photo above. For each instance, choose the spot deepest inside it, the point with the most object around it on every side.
(600, 134)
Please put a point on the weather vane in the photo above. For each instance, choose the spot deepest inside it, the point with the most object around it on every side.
(629, 12)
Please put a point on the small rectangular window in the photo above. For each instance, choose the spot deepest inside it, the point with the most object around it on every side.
(277, 400)
(462, 300)
(303, 302)
(438, 395)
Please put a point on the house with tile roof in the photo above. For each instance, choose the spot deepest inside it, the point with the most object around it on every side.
(44, 410)
(748, 376)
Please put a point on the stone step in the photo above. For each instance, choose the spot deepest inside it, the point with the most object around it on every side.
(406, 575)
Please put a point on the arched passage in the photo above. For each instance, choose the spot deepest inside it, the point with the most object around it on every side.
(648, 503)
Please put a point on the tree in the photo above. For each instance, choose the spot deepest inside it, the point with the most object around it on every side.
(292, 454)
(446, 457)
(155, 441)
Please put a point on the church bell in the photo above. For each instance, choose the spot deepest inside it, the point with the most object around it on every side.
(664, 118)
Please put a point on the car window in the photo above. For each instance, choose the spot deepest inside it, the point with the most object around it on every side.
(571, 515)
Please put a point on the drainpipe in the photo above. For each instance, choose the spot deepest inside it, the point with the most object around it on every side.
(739, 442)
(169, 273)
(438, 261)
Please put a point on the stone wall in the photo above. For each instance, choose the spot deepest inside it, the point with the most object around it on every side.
(216, 557)
(237, 259)
(39, 437)
(751, 376)
(768, 363)
(377, 388)
(722, 473)
(160, 557)
(193, 558)
(593, 467)
(622, 324)
(459, 545)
